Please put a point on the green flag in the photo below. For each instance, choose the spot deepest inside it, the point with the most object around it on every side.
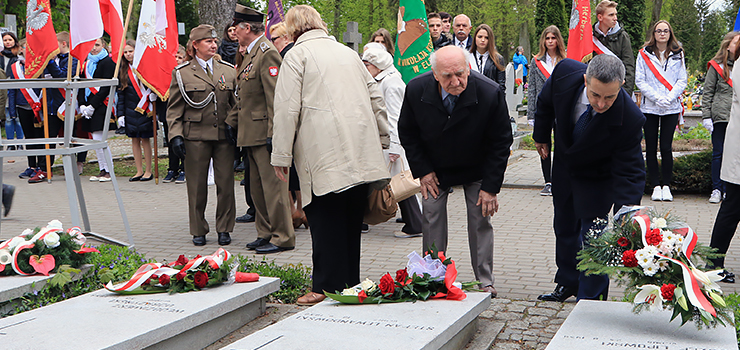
(413, 42)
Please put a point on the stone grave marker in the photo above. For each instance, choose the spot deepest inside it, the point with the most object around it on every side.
(10, 23)
(352, 37)
(14, 287)
(104, 320)
(513, 96)
(434, 324)
(611, 325)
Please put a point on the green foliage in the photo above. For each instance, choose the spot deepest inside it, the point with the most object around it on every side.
(186, 12)
(631, 17)
(692, 173)
(733, 302)
(697, 132)
(549, 12)
(686, 24)
(295, 280)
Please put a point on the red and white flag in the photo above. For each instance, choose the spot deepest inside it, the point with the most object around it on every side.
(41, 38)
(87, 21)
(156, 44)
(580, 35)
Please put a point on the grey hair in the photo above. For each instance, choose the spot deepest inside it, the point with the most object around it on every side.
(256, 27)
(606, 68)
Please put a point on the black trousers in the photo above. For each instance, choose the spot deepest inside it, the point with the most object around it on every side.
(247, 192)
(667, 125)
(726, 223)
(546, 165)
(411, 215)
(336, 222)
(569, 234)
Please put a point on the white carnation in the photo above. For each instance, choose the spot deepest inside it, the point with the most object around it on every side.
(659, 222)
(51, 240)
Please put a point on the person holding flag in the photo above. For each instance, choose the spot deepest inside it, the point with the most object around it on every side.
(661, 77)
(611, 39)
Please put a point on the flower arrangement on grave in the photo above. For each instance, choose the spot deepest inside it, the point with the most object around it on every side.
(184, 275)
(430, 277)
(43, 250)
(655, 256)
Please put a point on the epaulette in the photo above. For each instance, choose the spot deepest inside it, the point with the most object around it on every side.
(226, 63)
(264, 47)
(182, 64)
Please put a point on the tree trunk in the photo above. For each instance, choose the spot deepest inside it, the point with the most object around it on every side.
(657, 5)
(337, 19)
(218, 13)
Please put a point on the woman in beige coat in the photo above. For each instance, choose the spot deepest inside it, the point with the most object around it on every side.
(729, 212)
(330, 118)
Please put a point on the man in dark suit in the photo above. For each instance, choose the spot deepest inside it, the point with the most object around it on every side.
(462, 26)
(454, 126)
(598, 160)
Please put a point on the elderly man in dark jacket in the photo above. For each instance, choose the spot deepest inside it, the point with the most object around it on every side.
(454, 126)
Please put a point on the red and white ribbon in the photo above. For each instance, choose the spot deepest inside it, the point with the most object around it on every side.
(143, 274)
(31, 97)
(145, 106)
(600, 48)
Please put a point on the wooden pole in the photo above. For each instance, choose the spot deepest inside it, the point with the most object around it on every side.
(123, 39)
(45, 110)
(156, 150)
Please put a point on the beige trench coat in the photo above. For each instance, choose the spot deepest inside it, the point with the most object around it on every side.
(329, 117)
(731, 155)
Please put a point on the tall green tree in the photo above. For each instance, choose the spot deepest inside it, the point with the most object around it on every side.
(631, 15)
(549, 12)
(686, 25)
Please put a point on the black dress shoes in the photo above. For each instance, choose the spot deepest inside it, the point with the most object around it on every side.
(224, 238)
(270, 248)
(728, 277)
(199, 240)
(560, 294)
(245, 218)
(258, 243)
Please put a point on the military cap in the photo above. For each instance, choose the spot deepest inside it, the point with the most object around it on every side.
(246, 14)
(203, 31)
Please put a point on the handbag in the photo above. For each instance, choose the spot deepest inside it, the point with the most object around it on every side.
(381, 206)
(404, 185)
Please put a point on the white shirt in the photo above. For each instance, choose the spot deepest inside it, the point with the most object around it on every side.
(251, 45)
(581, 106)
(480, 60)
(549, 62)
(463, 43)
(207, 65)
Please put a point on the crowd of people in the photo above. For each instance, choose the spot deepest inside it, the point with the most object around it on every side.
(317, 127)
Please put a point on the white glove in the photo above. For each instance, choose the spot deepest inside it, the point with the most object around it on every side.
(708, 124)
(663, 103)
(121, 121)
(87, 111)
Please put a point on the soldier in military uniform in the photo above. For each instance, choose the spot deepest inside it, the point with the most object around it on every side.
(252, 117)
(201, 96)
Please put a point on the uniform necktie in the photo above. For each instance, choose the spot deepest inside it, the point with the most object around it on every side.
(582, 123)
(480, 65)
(208, 71)
(449, 103)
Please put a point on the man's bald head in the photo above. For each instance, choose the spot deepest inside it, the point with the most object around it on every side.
(451, 69)
(461, 24)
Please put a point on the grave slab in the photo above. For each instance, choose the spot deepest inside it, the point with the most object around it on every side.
(104, 320)
(434, 324)
(612, 325)
(15, 286)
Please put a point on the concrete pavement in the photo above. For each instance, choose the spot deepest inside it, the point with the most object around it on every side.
(524, 242)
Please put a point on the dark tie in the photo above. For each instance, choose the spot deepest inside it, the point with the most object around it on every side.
(582, 123)
(208, 71)
(480, 66)
(449, 103)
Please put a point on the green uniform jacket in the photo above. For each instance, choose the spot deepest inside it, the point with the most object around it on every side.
(619, 43)
(257, 75)
(717, 97)
(206, 123)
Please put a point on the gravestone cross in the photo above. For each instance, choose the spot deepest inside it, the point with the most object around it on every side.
(352, 36)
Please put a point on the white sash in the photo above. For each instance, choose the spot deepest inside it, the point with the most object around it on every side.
(600, 48)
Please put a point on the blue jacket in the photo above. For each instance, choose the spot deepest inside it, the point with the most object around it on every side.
(520, 59)
(605, 166)
(59, 71)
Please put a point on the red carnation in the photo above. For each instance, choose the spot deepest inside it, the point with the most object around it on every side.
(623, 242)
(180, 275)
(667, 291)
(654, 237)
(401, 276)
(181, 260)
(361, 296)
(200, 279)
(164, 280)
(386, 284)
(628, 258)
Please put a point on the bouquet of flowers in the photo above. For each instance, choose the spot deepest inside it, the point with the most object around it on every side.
(184, 275)
(656, 256)
(430, 277)
(43, 250)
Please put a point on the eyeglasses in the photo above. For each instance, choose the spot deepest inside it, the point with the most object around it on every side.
(662, 31)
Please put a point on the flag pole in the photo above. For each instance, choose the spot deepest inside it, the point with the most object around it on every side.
(46, 133)
(156, 151)
(123, 39)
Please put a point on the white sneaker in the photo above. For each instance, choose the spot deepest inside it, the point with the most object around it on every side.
(667, 196)
(657, 194)
(716, 196)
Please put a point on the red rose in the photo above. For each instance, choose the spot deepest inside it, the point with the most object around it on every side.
(180, 275)
(623, 242)
(164, 280)
(401, 276)
(200, 279)
(361, 296)
(654, 237)
(181, 260)
(386, 284)
(667, 291)
(628, 258)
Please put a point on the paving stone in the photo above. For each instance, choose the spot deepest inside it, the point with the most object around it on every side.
(518, 325)
(509, 316)
(541, 311)
(515, 308)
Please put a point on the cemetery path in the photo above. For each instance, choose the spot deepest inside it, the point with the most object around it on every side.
(524, 263)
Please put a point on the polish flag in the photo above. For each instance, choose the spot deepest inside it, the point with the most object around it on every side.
(88, 19)
(580, 42)
(156, 44)
(41, 37)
